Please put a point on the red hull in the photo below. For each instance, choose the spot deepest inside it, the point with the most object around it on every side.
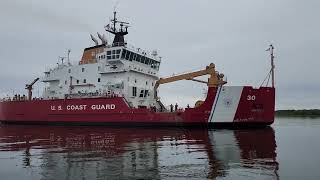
(217, 108)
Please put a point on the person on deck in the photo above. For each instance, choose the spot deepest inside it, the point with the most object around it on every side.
(176, 107)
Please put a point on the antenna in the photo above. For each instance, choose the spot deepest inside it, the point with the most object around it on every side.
(62, 59)
(69, 51)
(271, 48)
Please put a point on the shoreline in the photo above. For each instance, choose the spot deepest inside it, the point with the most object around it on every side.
(313, 113)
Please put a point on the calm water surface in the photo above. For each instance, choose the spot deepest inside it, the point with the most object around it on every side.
(287, 150)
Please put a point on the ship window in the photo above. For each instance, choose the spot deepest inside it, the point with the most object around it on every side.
(113, 51)
(99, 79)
(123, 54)
(131, 56)
(146, 82)
(69, 70)
(141, 93)
(118, 51)
(113, 56)
(145, 93)
(143, 59)
(138, 58)
(77, 81)
(147, 61)
(108, 54)
(82, 69)
(128, 54)
(134, 56)
(84, 81)
(134, 91)
(117, 56)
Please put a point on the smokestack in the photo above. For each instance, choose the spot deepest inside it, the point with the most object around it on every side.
(94, 40)
(102, 38)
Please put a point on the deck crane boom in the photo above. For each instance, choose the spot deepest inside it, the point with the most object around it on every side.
(29, 88)
(214, 80)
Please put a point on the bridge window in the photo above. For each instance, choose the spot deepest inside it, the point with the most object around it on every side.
(77, 81)
(127, 55)
(147, 61)
(84, 81)
(142, 59)
(132, 56)
(108, 54)
(123, 55)
(99, 79)
(82, 69)
(138, 58)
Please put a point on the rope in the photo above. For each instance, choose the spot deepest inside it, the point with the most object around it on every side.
(268, 76)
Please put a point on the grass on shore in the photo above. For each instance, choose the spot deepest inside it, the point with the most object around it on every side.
(300, 113)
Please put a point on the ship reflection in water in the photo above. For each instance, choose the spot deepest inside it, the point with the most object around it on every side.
(56, 152)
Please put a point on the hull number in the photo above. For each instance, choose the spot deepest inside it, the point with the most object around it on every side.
(251, 97)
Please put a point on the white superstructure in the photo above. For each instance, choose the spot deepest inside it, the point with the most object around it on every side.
(107, 70)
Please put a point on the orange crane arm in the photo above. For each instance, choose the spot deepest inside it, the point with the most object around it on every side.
(214, 80)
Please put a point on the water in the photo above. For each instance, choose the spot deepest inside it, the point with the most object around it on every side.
(287, 150)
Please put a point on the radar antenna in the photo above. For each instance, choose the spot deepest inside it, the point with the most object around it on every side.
(119, 32)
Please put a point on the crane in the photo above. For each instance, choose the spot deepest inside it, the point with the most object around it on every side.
(214, 80)
(29, 88)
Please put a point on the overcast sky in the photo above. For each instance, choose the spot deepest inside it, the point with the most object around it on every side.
(188, 35)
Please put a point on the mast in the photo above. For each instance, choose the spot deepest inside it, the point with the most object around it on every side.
(119, 32)
(272, 64)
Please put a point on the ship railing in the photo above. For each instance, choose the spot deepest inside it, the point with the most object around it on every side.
(92, 95)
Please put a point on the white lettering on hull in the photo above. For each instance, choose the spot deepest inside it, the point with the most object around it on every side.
(83, 107)
(103, 106)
